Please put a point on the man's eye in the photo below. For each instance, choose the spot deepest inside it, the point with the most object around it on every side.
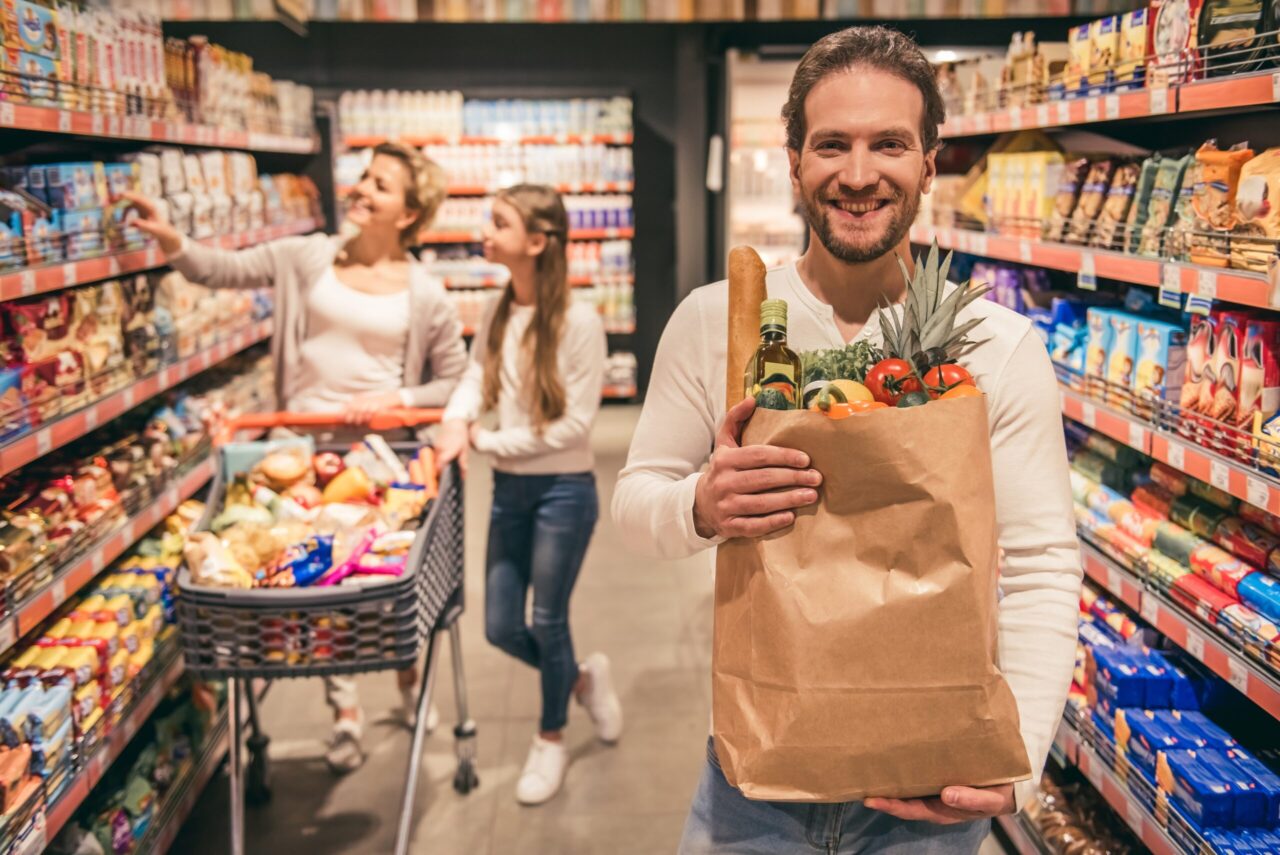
(892, 145)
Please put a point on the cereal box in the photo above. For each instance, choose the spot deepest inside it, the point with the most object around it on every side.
(37, 76)
(76, 186)
(31, 28)
(1122, 356)
(1077, 74)
(1099, 346)
(1135, 47)
(1230, 328)
(1162, 360)
(1104, 52)
(1259, 371)
(83, 230)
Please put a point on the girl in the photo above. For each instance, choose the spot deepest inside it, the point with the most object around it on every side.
(360, 327)
(538, 359)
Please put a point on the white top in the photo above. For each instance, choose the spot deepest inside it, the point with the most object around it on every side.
(1041, 573)
(355, 344)
(564, 446)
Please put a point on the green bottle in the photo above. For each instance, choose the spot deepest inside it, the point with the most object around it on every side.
(775, 367)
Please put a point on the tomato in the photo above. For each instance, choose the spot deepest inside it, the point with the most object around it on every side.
(890, 379)
(964, 390)
(946, 377)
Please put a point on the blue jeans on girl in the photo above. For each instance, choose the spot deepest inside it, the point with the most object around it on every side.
(538, 535)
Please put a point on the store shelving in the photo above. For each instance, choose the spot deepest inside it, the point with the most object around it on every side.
(563, 189)
(1234, 92)
(619, 392)
(52, 277)
(23, 450)
(53, 120)
(1025, 839)
(1214, 283)
(574, 281)
(550, 139)
(578, 234)
(178, 807)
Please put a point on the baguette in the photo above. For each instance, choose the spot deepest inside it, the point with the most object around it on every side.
(746, 293)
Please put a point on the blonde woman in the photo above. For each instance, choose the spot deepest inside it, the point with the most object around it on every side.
(360, 326)
(538, 361)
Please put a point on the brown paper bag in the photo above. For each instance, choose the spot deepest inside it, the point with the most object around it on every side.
(854, 653)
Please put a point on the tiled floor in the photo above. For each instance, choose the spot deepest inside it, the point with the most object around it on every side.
(654, 621)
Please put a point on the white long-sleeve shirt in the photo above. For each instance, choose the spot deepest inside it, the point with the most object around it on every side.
(1040, 578)
(564, 445)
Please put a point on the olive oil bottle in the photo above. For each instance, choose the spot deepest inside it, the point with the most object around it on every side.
(774, 375)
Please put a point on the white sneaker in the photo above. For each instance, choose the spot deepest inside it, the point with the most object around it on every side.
(543, 772)
(409, 710)
(345, 754)
(600, 700)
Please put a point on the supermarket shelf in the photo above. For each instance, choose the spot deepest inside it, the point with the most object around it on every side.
(1237, 91)
(70, 579)
(619, 392)
(1234, 286)
(575, 281)
(176, 811)
(577, 234)
(113, 744)
(552, 139)
(1197, 639)
(1145, 826)
(67, 428)
(563, 189)
(53, 120)
(1025, 840)
(52, 277)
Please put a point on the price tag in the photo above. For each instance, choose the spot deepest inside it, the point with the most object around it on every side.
(97, 561)
(205, 360)
(1024, 250)
(1176, 456)
(1064, 112)
(1195, 644)
(59, 589)
(1275, 86)
(7, 117)
(113, 126)
(1089, 415)
(1015, 119)
(69, 273)
(1158, 104)
(1137, 436)
(1256, 491)
(64, 122)
(95, 124)
(979, 243)
(982, 123)
(8, 633)
(1238, 674)
(1219, 475)
(1170, 294)
(1087, 278)
(127, 396)
(1112, 107)
(91, 418)
(165, 380)
(1115, 581)
(1150, 610)
(1091, 112)
(44, 441)
(1094, 770)
(1135, 816)
(1207, 284)
(1042, 116)
(153, 258)
(113, 266)
(28, 285)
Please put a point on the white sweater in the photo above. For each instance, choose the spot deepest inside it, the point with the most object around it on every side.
(1040, 577)
(564, 445)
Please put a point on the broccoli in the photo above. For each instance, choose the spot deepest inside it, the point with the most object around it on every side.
(851, 362)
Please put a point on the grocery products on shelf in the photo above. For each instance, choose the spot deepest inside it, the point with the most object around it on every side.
(1069, 815)
(585, 212)
(613, 298)
(490, 167)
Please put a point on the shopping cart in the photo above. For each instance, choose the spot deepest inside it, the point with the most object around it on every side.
(242, 635)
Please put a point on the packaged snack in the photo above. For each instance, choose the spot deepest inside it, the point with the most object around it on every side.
(1140, 737)
(1098, 349)
(1177, 242)
(1135, 47)
(1214, 202)
(1070, 181)
(1108, 230)
(1248, 542)
(1195, 789)
(1141, 203)
(76, 186)
(1261, 593)
(14, 763)
(1079, 56)
(1266, 780)
(1227, 35)
(1259, 388)
(1253, 240)
(1104, 51)
(1117, 677)
(1122, 355)
(1093, 194)
(1197, 386)
(1260, 517)
(1221, 568)
(1249, 804)
(32, 28)
(1211, 494)
(84, 234)
(1174, 24)
(1153, 500)
(1201, 596)
(1198, 517)
(1162, 360)
(36, 76)
(1230, 330)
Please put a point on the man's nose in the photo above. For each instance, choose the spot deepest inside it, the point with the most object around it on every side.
(859, 170)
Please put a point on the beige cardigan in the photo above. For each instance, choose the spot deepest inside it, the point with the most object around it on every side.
(435, 354)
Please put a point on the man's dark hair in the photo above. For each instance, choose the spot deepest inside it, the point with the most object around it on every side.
(876, 47)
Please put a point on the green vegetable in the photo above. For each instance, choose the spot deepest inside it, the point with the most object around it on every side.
(772, 399)
(914, 399)
(851, 362)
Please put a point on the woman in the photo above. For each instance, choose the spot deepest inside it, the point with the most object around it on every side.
(538, 360)
(359, 327)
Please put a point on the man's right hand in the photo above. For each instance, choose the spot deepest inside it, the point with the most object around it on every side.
(150, 222)
(751, 491)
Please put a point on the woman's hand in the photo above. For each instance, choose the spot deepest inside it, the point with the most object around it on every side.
(149, 220)
(453, 443)
(956, 804)
(361, 408)
(475, 432)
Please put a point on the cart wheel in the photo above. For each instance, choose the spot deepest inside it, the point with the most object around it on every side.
(466, 778)
(257, 791)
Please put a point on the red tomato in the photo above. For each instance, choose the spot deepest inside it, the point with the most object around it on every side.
(890, 379)
(946, 377)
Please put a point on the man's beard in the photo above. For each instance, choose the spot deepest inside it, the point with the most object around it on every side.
(817, 214)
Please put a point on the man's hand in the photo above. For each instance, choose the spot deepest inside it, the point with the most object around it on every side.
(752, 491)
(360, 408)
(956, 804)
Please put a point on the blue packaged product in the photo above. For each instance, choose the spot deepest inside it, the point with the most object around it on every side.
(76, 186)
(37, 76)
(52, 708)
(48, 755)
(1140, 736)
(1263, 840)
(1162, 359)
(1197, 790)
(1142, 786)
(1268, 782)
(1094, 633)
(1158, 682)
(1099, 337)
(13, 723)
(36, 185)
(1193, 727)
(84, 235)
(1248, 800)
(1261, 593)
(1118, 678)
(1103, 718)
(1068, 334)
(1185, 695)
(1228, 843)
(32, 28)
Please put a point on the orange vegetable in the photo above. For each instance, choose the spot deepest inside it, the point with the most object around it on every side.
(427, 460)
(962, 391)
(843, 409)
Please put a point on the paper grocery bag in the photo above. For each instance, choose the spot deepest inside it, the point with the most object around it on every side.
(855, 652)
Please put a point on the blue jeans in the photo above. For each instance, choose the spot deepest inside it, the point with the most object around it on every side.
(538, 535)
(722, 821)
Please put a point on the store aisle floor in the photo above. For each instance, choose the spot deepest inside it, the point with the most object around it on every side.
(654, 621)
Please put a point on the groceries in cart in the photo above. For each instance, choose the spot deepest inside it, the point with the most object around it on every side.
(298, 519)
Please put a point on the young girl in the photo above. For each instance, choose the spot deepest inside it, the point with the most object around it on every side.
(359, 327)
(538, 359)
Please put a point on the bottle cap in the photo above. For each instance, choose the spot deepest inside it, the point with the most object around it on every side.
(773, 313)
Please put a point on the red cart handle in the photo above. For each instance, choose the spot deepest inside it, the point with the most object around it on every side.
(380, 421)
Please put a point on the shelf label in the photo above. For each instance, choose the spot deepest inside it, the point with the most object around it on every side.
(1177, 455)
(1115, 581)
(59, 590)
(28, 283)
(1042, 116)
(1093, 769)
(1238, 674)
(1207, 284)
(1015, 119)
(1137, 436)
(1256, 491)
(95, 124)
(1219, 475)
(1150, 610)
(979, 243)
(97, 561)
(1064, 112)
(91, 418)
(1091, 112)
(8, 633)
(128, 396)
(44, 441)
(152, 257)
(1195, 644)
(1024, 250)
(1089, 415)
(1087, 278)
(69, 273)
(1134, 814)
(1112, 107)
(113, 126)
(113, 266)
(64, 122)
(1159, 100)
(1275, 86)
(7, 117)
(165, 380)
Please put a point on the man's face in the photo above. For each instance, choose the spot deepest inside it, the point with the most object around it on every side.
(863, 167)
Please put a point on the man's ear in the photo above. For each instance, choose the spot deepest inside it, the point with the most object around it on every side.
(930, 170)
(793, 158)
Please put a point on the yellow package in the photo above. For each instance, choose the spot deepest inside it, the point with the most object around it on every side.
(121, 607)
(88, 608)
(153, 621)
(1077, 74)
(49, 657)
(90, 721)
(1133, 47)
(84, 702)
(118, 670)
(131, 636)
(81, 663)
(141, 659)
(108, 631)
(1104, 51)
(60, 629)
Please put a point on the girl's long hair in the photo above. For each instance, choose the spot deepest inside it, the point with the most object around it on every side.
(542, 211)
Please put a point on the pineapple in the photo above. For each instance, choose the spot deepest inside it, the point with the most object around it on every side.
(926, 335)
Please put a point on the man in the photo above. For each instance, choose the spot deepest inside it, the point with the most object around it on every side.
(862, 123)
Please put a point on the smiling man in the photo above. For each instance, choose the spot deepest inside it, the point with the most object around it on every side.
(862, 123)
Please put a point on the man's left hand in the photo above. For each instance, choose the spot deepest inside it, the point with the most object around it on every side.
(361, 408)
(955, 805)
